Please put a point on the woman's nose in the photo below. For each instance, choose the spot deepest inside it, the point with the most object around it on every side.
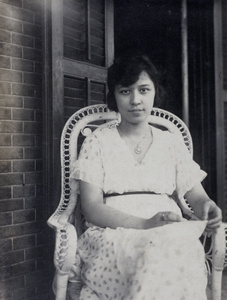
(135, 98)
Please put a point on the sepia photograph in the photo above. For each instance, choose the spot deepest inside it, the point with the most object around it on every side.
(113, 149)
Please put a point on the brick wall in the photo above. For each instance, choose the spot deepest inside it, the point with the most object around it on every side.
(23, 247)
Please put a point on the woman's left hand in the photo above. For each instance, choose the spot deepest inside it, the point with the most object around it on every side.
(212, 213)
(204, 208)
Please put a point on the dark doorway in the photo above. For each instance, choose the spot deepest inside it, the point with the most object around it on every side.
(154, 27)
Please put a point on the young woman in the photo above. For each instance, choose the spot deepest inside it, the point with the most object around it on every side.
(137, 245)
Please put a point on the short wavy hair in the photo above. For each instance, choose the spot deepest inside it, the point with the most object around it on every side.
(126, 70)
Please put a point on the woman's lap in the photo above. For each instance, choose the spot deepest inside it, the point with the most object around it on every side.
(106, 277)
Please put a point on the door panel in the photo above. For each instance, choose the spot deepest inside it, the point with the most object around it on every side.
(81, 43)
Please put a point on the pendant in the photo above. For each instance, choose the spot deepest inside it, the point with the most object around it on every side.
(137, 150)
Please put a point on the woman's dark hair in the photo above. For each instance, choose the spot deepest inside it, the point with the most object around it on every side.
(126, 71)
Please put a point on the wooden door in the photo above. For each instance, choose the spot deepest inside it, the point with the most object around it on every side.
(80, 34)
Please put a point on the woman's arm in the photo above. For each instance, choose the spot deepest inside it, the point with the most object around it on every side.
(204, 207)
(99, 214)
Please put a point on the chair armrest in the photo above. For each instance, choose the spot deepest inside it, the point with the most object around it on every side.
(219, 260)
(65, 246)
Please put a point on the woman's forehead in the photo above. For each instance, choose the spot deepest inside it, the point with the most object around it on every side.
(143, 79)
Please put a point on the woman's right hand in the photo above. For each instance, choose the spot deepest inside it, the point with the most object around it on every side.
(162, 218)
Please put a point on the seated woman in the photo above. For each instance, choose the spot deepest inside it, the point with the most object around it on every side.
(138, 245)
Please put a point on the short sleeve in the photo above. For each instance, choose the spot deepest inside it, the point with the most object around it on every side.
(188, 172)
(89, 166)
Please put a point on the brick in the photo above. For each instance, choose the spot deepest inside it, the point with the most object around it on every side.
(33, 127)
(5, 114)
(24, 242)
(10, 153)
(24, 166)
(4, 61)
(11, 101)
(23, 114)
(33, 30)
(17, 3)
(36, 252)
(4, 293)
(10, 50)
(11, 205)
(23, 216)
(12, 285)
(24, 268)
(33, 202)
(18, 269)
(6, 273)
(5, 139)
(10, 75)
(32, 78)
(10, 24)
(32, 54)
(11, 179)
(5, 193)
(23, 140)
(22, 65)
(9, 258)
(35, 177)
(23, 89)
(22, 14)
(22, 40)
(34, 152)
(23, 191)
(5, 166)
(5, 36)
(32, 5)
(34, 103)
(5, 88)
(6, 245)
(5, 10)
(19, 230)
(11, 127)
(5, 219)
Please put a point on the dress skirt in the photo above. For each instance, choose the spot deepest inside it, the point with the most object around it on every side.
(166, 262)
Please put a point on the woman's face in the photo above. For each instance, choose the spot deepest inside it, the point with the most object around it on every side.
(136, 101)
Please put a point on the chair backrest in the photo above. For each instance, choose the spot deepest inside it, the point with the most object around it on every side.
(86, 120)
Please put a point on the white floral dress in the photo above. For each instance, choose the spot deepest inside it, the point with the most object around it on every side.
(161, 263)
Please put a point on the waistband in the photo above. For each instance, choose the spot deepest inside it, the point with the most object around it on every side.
(131, 193)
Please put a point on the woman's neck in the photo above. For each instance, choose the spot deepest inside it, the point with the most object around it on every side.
(134, 130)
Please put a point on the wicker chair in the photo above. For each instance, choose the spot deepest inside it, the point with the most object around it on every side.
(66, 220)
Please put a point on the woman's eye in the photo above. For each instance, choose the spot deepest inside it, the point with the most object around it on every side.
(124, 92)
(143, 91)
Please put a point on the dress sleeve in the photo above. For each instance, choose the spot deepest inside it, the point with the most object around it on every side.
(188, 172)
(89, 166)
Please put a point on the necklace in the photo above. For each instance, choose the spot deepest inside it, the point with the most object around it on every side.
(137, 149)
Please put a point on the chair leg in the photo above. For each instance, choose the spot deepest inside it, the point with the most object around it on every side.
(218, 261)
(60, 285)
(216, 285)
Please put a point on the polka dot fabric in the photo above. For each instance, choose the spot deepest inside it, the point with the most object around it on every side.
(100, 274)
